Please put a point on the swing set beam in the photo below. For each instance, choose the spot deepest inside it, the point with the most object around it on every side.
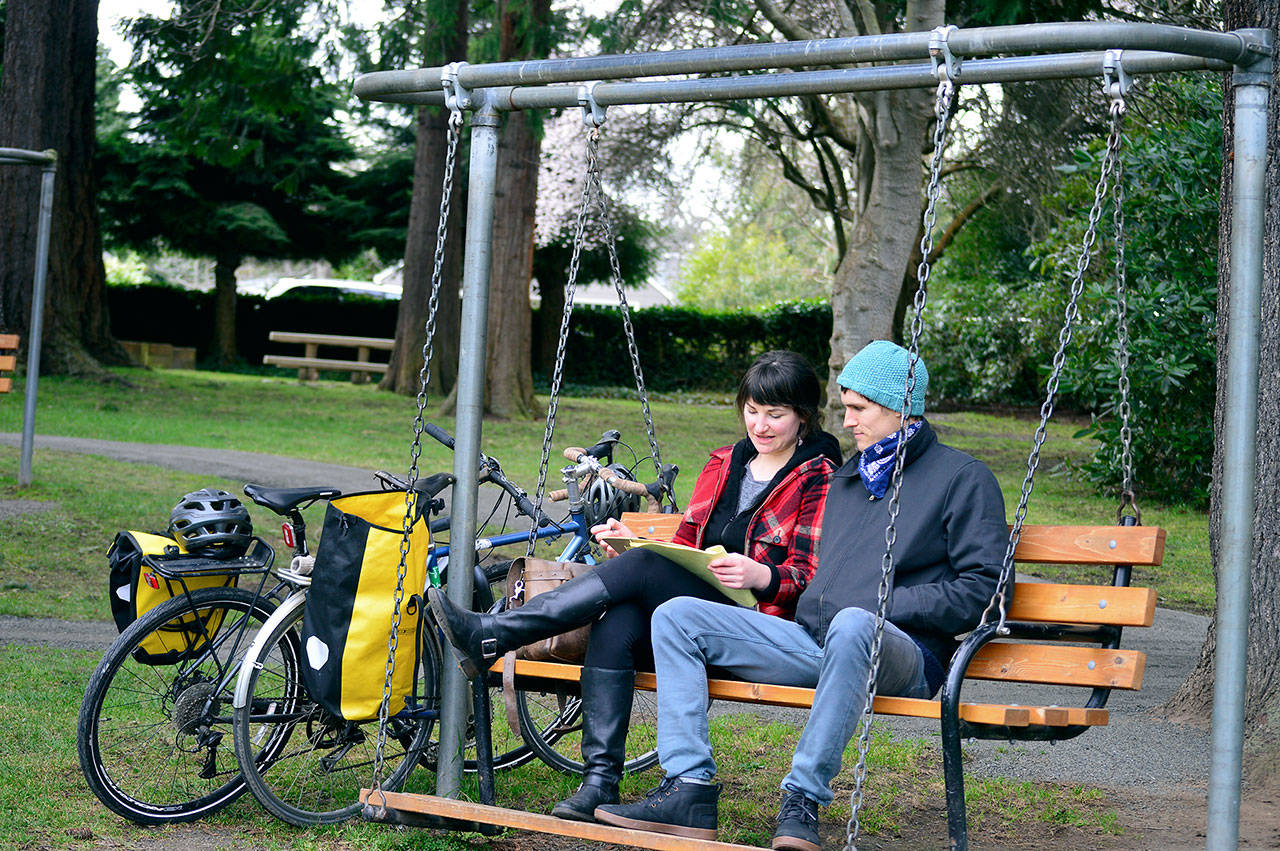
(1058, 50)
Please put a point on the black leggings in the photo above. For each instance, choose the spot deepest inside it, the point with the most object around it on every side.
(638, 582)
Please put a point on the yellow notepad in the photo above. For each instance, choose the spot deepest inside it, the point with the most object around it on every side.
(691, 559)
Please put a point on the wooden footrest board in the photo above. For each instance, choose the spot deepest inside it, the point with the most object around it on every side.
(520, 820)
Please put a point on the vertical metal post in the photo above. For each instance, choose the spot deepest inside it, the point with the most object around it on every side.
(37, 322)
(1239, 447)
(470, 409)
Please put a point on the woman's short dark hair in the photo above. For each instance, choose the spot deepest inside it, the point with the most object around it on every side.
(784, 378)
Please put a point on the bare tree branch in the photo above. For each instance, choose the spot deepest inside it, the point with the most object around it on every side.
(787, 26)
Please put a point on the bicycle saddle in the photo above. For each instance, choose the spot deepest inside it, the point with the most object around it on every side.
(284, 500)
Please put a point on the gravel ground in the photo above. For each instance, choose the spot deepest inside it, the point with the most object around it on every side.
(1119, 754)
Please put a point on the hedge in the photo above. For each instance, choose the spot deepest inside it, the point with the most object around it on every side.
(680, 348)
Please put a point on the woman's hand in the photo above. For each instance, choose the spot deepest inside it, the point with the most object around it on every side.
(611, 528)
(735, 570)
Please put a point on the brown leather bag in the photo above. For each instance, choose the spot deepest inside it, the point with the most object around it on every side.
(529, 577)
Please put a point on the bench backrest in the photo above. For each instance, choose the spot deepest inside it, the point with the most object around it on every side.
(1049, 603)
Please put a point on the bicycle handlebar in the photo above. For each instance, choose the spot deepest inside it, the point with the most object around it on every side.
(491, 471)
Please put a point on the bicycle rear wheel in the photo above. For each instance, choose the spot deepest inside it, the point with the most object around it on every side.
(154, 740)
(306, 765)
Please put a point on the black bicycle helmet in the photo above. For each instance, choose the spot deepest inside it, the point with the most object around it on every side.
(603, 500)
(211, 523)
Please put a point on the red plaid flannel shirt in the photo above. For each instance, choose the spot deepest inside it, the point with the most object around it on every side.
(784, 532)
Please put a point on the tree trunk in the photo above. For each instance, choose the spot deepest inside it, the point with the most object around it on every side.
(1194, 699)
(224, 307)
(868, 282)
(46, 102)
(419, 260)
(444, 40)
(524, 32)
(508, 374)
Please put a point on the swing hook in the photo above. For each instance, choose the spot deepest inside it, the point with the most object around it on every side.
(456, 97)
(946, 65)
(1116, 82)
(593, 114)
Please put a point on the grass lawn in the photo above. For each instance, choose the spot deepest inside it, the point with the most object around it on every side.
(38, 747)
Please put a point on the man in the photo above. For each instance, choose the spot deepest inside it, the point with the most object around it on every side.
(951, 537)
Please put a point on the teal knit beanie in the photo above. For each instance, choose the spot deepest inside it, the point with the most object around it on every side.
(879, 372)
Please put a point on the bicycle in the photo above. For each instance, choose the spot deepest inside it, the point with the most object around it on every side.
(318, 782)
(150, 733)
(548, 713)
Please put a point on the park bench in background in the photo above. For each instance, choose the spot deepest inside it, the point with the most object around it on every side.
(1059, 635)
(8, 360)
(161, 355)
(310, 362)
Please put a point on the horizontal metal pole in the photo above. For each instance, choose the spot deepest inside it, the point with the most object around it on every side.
(983, 41)
(1051, 67)
(21, 156)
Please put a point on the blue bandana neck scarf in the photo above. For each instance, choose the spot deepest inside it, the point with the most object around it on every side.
(877, 462)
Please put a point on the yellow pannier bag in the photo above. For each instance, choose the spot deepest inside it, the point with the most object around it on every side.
(147, 570)
(347, 624)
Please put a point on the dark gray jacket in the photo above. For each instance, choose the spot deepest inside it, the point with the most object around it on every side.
(951, 538)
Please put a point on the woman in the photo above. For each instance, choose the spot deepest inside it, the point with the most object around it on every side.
(761, 499)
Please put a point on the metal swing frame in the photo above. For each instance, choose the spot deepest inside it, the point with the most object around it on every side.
(48, 162)
(991, 54)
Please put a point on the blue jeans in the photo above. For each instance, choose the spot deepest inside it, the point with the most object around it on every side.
(690, 634)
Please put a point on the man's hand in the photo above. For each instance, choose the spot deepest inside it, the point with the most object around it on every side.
(735, 570)
(611, 528)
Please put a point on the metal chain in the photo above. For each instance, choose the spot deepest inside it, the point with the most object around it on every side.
(999, 603)
(632, 349)
(942, 107)
(1127, 497)
(415, 450)
(570, 287)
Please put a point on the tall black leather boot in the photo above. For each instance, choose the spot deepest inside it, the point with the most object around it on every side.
(606, 716)
(481, 638)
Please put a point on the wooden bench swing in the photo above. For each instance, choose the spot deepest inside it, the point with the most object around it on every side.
(1045, 635)
(1069, 635)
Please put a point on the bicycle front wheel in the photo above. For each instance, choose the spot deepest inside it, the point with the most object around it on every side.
(306, 765)
(154, 739)
(551, 724)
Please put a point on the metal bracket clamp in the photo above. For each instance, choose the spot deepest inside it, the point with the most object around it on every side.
(1116, 82)
(455, 96)
(593, 114)
(946, 65)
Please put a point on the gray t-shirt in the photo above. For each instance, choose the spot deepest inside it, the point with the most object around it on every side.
(749, 490)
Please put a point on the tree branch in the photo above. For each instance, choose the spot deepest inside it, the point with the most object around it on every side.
(788, 27)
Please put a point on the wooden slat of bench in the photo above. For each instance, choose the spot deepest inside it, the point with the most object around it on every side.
(1059, 664)
(520, 820)
(323, 363)
(656, 527)
(795, 696)
(8, 341)
(1141, 545)
(8, 362)
(5, 385)
(1041, 602)
(1063, 716)
(387, 343)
